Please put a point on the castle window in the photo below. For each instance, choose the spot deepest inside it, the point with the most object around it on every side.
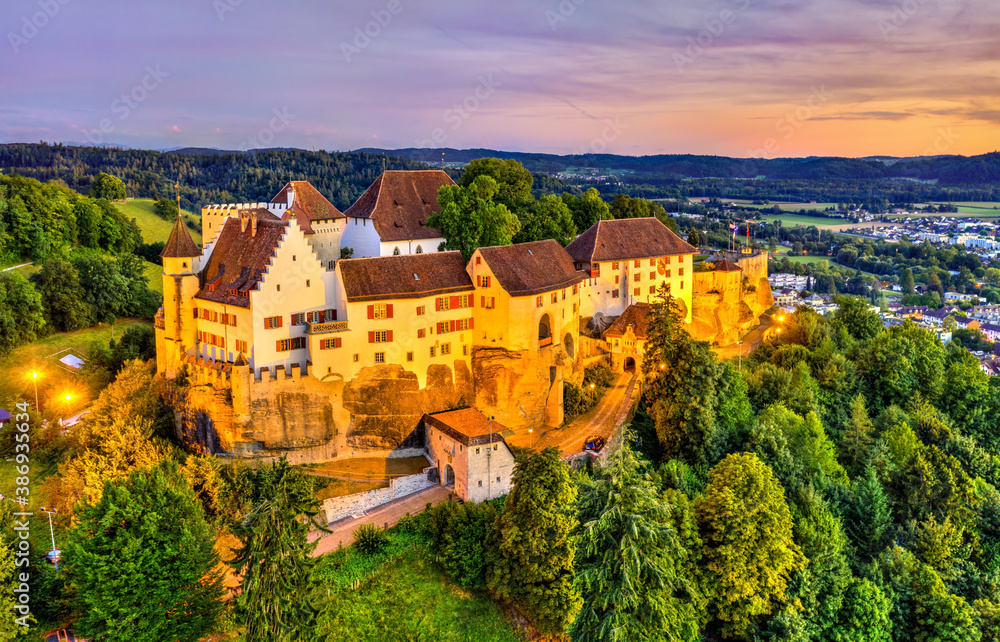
(330, 344)
(409, 356)
(421, 310)
(638, 263)
(555, 297)
(636, 277)
(479, 260)
(380, 336)
(279, 287)
(432, 351)
(284, 345)
(614, 295)
(241, 346)
(652, 275)
(357, 357)
(421, 333)
(420, 250)
(484, 281)
(617, 278)
(682, 285)
(396, 252)
(564, 295)
(184, 264)
(538, 301)
(329, 265)
(330, 315)
(576, 288)
(271, 323)
(445, 349)
(636, 292)
(443, 303)
(465, 351)
(380, 311)
(652, 262)
(652, 289)
(379, 357)
(614, 265)
(299, 318)
(307, 282)
(668, 274)
(477, 452)
(293, 257)
(480, 483)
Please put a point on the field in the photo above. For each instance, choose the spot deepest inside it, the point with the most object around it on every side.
(985, 209)
(153, 227)
(408, 599)
(798, 219)
(55, 381)
(370, 468)
(806, 259)
(154, 273)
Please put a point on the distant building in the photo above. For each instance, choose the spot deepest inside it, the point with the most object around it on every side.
(470, 453)
(626, 338)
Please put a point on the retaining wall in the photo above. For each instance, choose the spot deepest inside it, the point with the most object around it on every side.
(337, 508)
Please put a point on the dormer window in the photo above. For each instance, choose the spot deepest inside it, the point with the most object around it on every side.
(415, 277)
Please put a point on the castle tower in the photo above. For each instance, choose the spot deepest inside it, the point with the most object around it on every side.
(176, 328)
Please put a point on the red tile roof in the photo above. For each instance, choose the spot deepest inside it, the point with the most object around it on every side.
(626, 239)
(636, 315)
(399, 203)
(410, 276)
(180, 245)
(725, 265)
(467, 426)
(531, 268)
(307, 201)
(239, 260)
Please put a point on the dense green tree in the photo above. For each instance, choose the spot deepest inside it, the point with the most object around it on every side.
(864, 615)
(587, 209)
(868, 516)
(856, 315)
(143, 563)
(897, 364)
(693, 239)
(58, 283)
(624, 571)
(796, 448)
(21, 312)
(965, 389)
(118, 234)
(857, 439)
(513, 181)
(461, 531)
(532, 554)
(107, 187)
(470, 218)
(275, 559)
(547, 218)
(749, 545)
(166, 208)
(88, 222)
(906, 282)
(27, 237)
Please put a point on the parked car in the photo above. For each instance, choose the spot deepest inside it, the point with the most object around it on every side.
(62, 635)
(594, 443)
(54, 556)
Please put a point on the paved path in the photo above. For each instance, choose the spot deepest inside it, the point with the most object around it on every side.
(343, 531)
(14, 267)
(600, 420)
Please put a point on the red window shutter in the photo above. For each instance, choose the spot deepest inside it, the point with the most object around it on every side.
(322, 345)
(277, 345)
(388, 310)
(371, 311)
(337, 342)
(335, 318)
(454, 303)
(471, 323)
(279, 321)
(371, 336)
(452, 322)
(482, 302)
(196, 313)
(472, 300)
(388, 336)
(437, 304)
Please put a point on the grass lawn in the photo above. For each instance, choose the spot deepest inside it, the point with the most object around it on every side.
(798, 219)
(55, 380)
(973, 207)
(411, 599)
(154, 273)
(807, 259)
(153, 227)
(371, 468)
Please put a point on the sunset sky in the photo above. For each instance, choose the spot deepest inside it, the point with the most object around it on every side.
(763, 78)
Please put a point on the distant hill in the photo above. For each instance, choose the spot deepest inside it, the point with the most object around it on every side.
(946, 170)
(206, 176)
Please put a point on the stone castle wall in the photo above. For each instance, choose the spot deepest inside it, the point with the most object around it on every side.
(337, 508)
(726, 305)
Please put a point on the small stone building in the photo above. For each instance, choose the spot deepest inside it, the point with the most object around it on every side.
(470, 453)
(626, 338)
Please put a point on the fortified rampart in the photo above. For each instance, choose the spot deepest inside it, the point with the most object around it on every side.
(726, 305)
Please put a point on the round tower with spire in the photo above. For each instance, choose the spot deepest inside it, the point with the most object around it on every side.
(176, 327)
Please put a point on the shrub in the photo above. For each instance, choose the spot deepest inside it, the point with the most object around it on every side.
(370, 539)
(600, 375)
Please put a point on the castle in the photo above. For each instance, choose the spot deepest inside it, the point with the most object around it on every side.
(280, 346)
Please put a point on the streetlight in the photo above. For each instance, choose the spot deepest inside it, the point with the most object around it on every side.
(34, 380)
(52, 533)
(740, 344)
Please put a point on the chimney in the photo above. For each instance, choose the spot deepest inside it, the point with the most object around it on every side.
(253, 225)
(244, 219)
(290, 193)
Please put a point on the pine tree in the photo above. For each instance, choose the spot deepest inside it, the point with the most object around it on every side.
(532, 553)
(906, 282)
(624, 569)
(749, 547)
(275, 560)
(857, 440)
(868, 516)
(143, 562)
